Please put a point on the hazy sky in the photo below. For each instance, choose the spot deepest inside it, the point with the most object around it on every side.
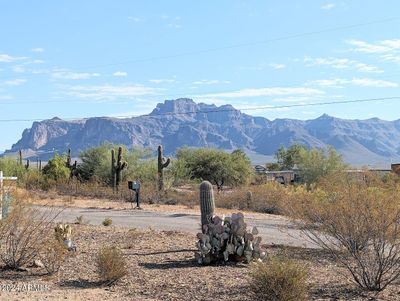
(75, 59)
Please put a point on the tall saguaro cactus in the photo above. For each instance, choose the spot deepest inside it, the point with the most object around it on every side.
(207, 204)
(20, 157)
(117, 166)
(162, 163)
(72, 167)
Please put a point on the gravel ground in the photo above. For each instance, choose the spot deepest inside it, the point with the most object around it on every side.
(161, 267)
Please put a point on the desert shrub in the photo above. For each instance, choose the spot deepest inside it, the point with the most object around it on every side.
(23, 233)
(34, 179)
(278, 279)
(216, 166)
(107, 222)
(111, 264)
(317, 163)
(80, 220)
(56, 168)
(96, 164)
(52, 254)
(357, 220)
(270, 197)
(11, 167)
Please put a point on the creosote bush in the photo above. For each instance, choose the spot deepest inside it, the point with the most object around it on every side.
(53, 254)
(23, 234)
(278, 279)
(356, 219)
(111, 264)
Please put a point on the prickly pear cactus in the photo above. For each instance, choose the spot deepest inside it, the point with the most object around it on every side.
(207, 203)
(227, 239)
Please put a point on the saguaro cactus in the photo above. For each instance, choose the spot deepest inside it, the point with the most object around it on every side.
(162, 163)
(20, 157)
(117, 166)
(207, 204)
(27, 164)
(72, 167)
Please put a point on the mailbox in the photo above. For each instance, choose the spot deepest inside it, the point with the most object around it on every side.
(135, 186)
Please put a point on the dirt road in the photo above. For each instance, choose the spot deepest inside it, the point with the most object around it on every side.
(273, 229)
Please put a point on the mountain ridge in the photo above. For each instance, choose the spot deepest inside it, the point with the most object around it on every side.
(183, 122)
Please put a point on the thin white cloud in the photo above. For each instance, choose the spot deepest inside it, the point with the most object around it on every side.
(210, 82)
(378, 47)
(342, 63)
(162, 81)
(273, 91)
(361, 82)
(388, 50)
(18, 69)
(69, 75)
(108, 91)
(38, 49)
(120, 73)
(13, 82)
(277, 66)
(5, 58)
(328, 6)
(135, 19)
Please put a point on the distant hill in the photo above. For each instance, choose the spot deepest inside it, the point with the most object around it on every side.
(373, 141)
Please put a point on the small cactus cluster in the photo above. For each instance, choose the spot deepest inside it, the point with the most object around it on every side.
(63, 233)
(227, 238)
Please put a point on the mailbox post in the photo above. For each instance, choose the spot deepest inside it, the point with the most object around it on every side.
(135, 186)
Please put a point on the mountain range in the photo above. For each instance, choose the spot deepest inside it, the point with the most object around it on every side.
(182, 122)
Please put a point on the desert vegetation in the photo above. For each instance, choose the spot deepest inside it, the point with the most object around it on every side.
(352, 219)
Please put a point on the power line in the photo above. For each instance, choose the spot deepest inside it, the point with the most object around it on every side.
(282, 38)
(165, 96)
(239, 45)
(223, 110)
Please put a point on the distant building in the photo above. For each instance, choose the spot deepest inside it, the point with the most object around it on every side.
(260, 169)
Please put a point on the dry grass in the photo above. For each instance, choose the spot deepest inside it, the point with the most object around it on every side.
(279, 279)
(53, 254)
(111, 264)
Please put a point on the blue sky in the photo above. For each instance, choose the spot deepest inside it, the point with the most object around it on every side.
(75, 59)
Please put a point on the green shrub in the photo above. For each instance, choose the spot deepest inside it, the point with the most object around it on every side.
(111, 265)
(56, 168)
(107, 222)
(278, 279)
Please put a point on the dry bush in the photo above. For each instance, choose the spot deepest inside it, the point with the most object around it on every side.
(52, 254)
(278, 279)
(267, 198)
(357, 219)
(107, 222)
(23, 233)
(111, 264)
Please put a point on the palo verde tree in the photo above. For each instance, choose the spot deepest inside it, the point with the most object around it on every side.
(216, 166)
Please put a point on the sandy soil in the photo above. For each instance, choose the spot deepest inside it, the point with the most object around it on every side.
(161, 267)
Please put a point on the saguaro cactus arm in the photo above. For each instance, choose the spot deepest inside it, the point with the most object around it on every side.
(162, 163)
(117, 166)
